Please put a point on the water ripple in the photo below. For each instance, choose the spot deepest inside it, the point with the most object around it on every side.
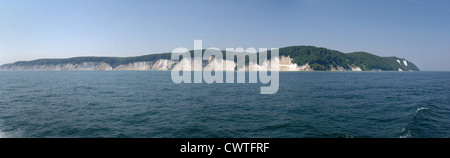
(147, 104)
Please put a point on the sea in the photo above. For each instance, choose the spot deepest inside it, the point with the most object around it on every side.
(148, 104)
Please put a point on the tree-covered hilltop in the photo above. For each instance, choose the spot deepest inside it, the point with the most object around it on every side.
(113, 61)
(321, 59)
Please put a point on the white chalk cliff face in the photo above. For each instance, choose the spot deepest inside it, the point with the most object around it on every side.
(337, 68)
(220, 65)
(85, 66)
(138, 66)
(163, 65)
(355, 68)
(282, 63)
(404, 62)
(189, 64)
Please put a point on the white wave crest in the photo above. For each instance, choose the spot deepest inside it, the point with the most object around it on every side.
(9, 134)
(420, 109)
(2, 135)
(406, 133)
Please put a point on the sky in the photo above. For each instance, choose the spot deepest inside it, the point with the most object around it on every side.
(417, 30)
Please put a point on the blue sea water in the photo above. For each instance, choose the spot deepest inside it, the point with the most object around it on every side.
(147, 104)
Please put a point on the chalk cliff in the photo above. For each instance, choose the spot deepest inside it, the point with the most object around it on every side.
(295, 58)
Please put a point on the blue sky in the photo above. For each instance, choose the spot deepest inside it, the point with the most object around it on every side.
(418, 30)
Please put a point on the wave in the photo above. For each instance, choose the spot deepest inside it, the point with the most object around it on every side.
(2, 135)
(420, 121)
(420, 109)
(405, 133)
(9, 134)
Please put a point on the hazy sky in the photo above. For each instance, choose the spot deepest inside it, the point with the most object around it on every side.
(418, 30)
